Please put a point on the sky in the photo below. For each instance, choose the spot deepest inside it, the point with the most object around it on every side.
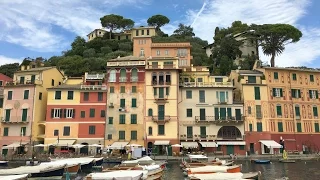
(43, 28)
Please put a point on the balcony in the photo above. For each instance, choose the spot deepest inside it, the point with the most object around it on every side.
(15, 120)
(160, 83)
(160, 97)
(162, 66)
(122, 79)
(216, 119)
(161, 119)
(206, 84)
(134, 79)
(93, 87)
(26, 82)
(94, 76)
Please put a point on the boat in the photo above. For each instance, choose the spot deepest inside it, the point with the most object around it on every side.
(194, 161)
(15, 177)
(146, 160)
(71, 167)
(262, 161)
(285, 158)
(37, 172)
(213, 169)
(3, 163)
(86, 163)
(151, 172)
(116, 175)
(97, 162)
(224, 176)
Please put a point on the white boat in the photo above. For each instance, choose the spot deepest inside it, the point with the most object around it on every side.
(146, 160)
(117, 175)
(3, 163)
(85, 162)
(15, 177)
(213, 169)
(225, 176)
(72, 167)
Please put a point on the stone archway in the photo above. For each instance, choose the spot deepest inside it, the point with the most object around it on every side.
(229, 132)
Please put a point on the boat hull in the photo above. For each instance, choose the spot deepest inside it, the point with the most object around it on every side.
(262, 161)
(3, 163)
(73, 169)
(235, 169)
(50, 174)
(99, 162)
(86, 167)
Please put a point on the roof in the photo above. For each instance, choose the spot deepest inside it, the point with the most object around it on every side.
(292, 69)
(37, 69)
(209, 45)
(5, 77)
(173, 44)
(249, 72)
(96, 30)
(144, 27)
(128, 58)
(67, 86)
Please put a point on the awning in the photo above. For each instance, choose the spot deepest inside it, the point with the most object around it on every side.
(189, 144)
(14, 145)
(118, 145)
(64, 142)
(161, 142)
(208, 144)
(239, 143)
(270, 143)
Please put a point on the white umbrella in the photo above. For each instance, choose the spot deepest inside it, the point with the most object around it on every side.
(176, 145)
(78, 146)
(133, 145)
(95, 145)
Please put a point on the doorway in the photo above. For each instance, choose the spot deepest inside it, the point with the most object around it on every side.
(251, 148)
(230, 149)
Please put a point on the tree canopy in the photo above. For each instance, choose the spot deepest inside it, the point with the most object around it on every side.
(114, 22)
(158, 21)
(183, 31)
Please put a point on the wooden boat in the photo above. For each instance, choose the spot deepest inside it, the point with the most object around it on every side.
(261, 161)
(223, 176)
(3, 163)
(71, 167)
(143, 161)
(201, 160)
(213, 169)
(151, 172)
(116, 175)
(37, 172)
(15, 177)
(86, 163)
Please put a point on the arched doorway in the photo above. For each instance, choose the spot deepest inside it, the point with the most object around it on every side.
(229, 133)
(85, 149)
(51, 149)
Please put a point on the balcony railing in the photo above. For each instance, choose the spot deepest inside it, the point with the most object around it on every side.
(163, 66)
(15, 119)
(160, 83)
(112, 80)
(161, 119)
(94, 76)
(134, 79)
(93, 87)
(217, 119)
(197, 137)
(29, 82)
(158, 97)
(122, 79)
(206, 84)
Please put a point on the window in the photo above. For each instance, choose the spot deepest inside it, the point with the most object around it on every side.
(249, 110)
(313, 94)
(258, 112)
(111, 89)
(52, 82)
(141, 52)
(100, 96)
(161, 112)
(122, 119)
(297, 110)
(150, 131)
(5, 131)
(123, 75)
(279, 110)
(109, 136)
(259, 127)
(294, 77)
(56, 132)
(202, 98)
(82, 114)
(316, 127)
(150, 112)
(23, 131)
(189, 112)
(26, 94)
(218, 79)
(56, 113)
(112, 75)
(122, 103)
(66, 131)
(122, 135)
(203, 114)
(161, 130)
(277, 92)
(189, 94)
(280, 127)
(311, 78)
(1, 83)
(200, 80)
(69, 113)
(137, 32)
(299, 128)
(92, 130)
(154, 91)
(142, 32)
(70, 95)
(40, 95)
(189, 132)
(1, 103)
(133, 102)
(92, 112)
(9, 95)
(183, 62)
(166, 52)
(122, 89)
(252, 79)
(58, 95)
(102, 113)
(148, 32)
(250, 127)
(275, 75)
(203, 131)
(110, 120)
(158, 52)
(134, 89)
(257, 93)
(24, 115)
(315, 111)
(134, 135)
(86, 96)
(295, 93)
(133, 119)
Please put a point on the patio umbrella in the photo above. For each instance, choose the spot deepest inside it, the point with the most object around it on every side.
(133, 145)
(176, 145)
(95, 145)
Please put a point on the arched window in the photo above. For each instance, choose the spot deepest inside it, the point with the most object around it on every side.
(150, 131)
(112, 75)
(134, 75)
(123, 75)
(150, 112)
(229, 132)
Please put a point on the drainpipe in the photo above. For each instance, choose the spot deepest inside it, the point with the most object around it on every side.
(31, 122)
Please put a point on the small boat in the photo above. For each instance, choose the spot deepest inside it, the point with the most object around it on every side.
(15, 177)
(146, 160)
(262, 161)
(97, 162)
(37, 172)
(116, 175)
(213, 169)
(223, 176)
(71, 167)
(151, 172)
(3, 163)
(201, 160)
(86, 163)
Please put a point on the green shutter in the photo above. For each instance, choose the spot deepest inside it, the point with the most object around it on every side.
(167, 91)
(150, 112)
(133, 119)
(203, 131)
(281, 93)
(276, 76)
(122, 135)
(111, 89)
(280, 127)
(122, 89)
(189, 112)
(299, 93)
(161, 92)
(154, 91)
(299, 128)
(317, 95)
(161, 112)
(294, 77)
(92, 112)
(257, 93)
(1, 103)
(70, 95)
(8, 112)
(229, 113)
(134, 135)
(223, 113)
(250, 127)
(203, 114)
(122, 103)
(5, 131)
(189, 94)
(134, 102)
(24, 114)
(83, 114)
(279, 110)
(102, 113)
(297, 110)
(216, 114)
(122, 119)
(26, 94)
(316, 127)
(259, 126)
(58, 95)
(293, 93)
(274, 92)
(134, 89)
(310, 94)
(252, 79)
(161, 130)
(315, 111)
(189, 132)
(9, 95)
(311, 78)
(110, 120)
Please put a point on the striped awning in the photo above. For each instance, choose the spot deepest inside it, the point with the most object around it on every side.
(118, 145)
(235, 143)
(14, 145)
(208, 144)
(161, 142)
(271, 143)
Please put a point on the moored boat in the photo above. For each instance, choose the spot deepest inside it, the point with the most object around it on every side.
(71, 167)
(214, 169)
(15, 177)
(3, 163)
(194, 161)
(146, 160)
(223, 176)
(86, 163)
(151, 172)
(97, 162)
(261, 161)
(116, 175)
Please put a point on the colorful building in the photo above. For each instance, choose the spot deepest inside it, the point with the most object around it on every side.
(76, 112)
(25, 100)
(125, 101)
(208, 115)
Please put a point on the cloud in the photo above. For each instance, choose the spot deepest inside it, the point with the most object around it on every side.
(222, 13)
(7, 60)
(31, 23)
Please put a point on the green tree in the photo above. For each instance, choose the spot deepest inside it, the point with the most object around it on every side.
(273, 38)
(89, 53)
(73, 65)
(77, 47)
(106, 50)
(183, 31)
(9, 69)
(113, 22)
(158, 21)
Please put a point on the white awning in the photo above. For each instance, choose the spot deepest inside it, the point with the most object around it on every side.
(161, 142)
(270, 143)
(189, 144)
(208, 144)
(240, 143)
(118, 145)
(14, 145)
(64, 142)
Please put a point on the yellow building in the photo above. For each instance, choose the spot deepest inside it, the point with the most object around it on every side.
(208, 114)
(96, 33)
